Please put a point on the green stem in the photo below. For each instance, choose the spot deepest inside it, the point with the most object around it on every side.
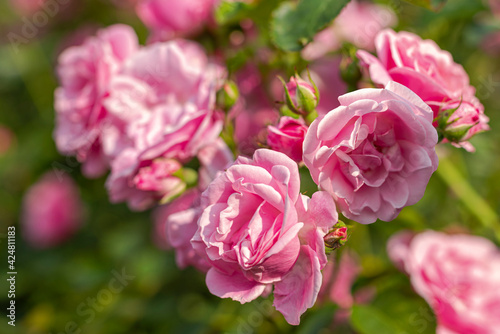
(469, 197)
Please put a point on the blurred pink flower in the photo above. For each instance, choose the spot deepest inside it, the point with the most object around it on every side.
(176, 222)
(175, 225)
(287, 137)
(7, 139)
(162, 106)
(338, 279)
(358, 23)
(257, 230)
(174, 18)
(398, 247)
(325, 73)
(375, 153)
(459, 276)
(85, 72)
(427, 70)
(52, 211)
(254, 111)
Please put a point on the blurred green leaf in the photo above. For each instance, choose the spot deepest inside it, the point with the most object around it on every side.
(293, 26)
(231, 11)
(434, 5)
(369, 320)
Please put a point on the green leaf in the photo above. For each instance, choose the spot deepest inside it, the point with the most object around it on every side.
(293, 26)
(434, 5)
(228, 11)
(369, 320)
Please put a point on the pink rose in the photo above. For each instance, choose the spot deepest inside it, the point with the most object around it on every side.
(397, 248)
(458, 275)
(257, 230)
(85, 72)
(358, 23)
(374, 153)
(175, 225)
(168, 19)
(52, 211)
(162, 104)
(427, 70)
(287, 137)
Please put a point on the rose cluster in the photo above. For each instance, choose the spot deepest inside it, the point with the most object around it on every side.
(177, 128)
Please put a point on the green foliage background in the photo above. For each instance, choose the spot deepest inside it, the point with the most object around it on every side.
(51, 284)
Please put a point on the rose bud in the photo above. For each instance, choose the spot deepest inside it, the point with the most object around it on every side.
(287, 137)
(227, 95)
(301, 97)
(336, 237)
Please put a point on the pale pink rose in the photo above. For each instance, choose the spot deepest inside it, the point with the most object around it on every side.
(427, 70)
(287, 137)
(459, 276)
(85, 72)
(358, 23)
(162, 104)
(257, 230)
(375, 153)
(174, 18)
(52, 211)
(175, 225)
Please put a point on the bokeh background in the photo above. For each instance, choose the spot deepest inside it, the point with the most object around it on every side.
(52, 284)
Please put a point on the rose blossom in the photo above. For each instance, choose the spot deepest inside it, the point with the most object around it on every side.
(287, 137)
(52, 211)
(374, 153)
(257, 230)
(458, 275)
(428, 71)
(84, 72)
(168, 19)
(162, 106)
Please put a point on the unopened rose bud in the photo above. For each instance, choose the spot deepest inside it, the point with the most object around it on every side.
(164, 179)
(459, 121)
(287, 137)
(301, 97)
(336, 237)
(227, 95)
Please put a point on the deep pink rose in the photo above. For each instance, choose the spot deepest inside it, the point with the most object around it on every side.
(85, 72)
(168, 19)
(358, 23)
(257, 230)
(162, 104)
(458, 275)
(374, 153)
(52, 211)
(287, 137)
(428, 71)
